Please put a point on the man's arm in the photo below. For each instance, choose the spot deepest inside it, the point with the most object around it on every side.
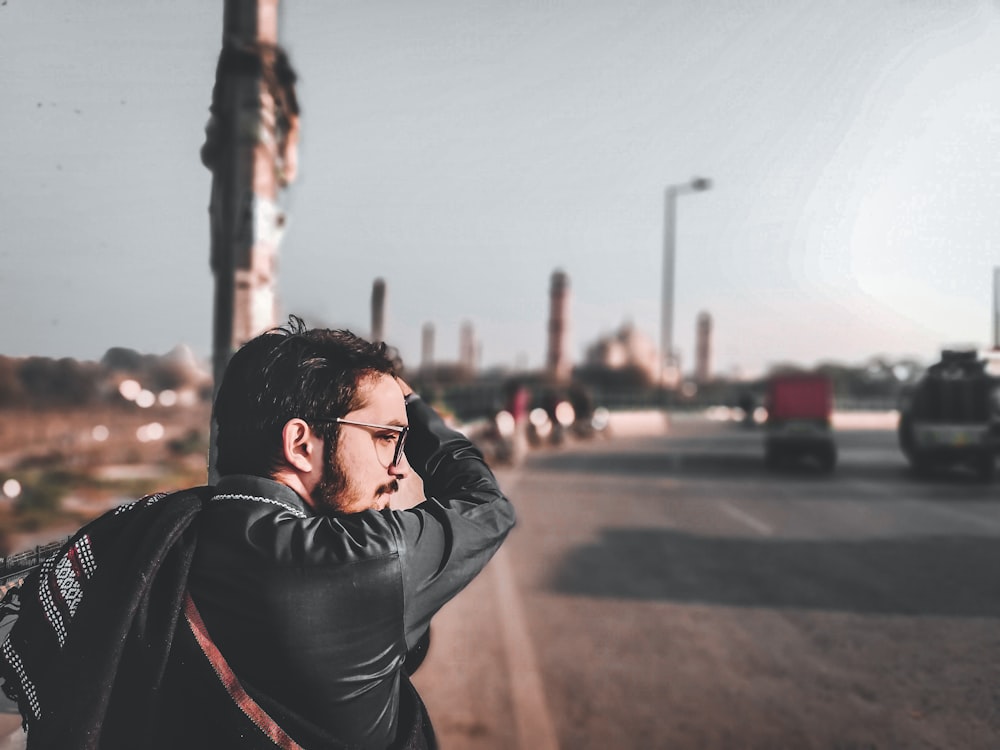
(447, 539)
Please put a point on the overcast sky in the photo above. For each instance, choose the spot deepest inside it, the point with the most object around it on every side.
(464, 150)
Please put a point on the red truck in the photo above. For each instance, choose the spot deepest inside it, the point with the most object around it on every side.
(799, 406)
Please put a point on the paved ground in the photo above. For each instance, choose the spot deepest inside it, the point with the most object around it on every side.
(667, 591)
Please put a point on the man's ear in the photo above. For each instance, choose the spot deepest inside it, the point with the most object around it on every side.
(300, 446)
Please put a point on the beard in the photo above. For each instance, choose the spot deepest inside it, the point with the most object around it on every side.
(336, 493)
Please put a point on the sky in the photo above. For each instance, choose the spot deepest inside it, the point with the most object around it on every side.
(464, 150)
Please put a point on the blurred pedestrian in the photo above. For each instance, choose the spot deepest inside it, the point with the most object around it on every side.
(286, 605)
(518, 403)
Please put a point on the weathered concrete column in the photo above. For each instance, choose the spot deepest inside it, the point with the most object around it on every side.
(251, 148)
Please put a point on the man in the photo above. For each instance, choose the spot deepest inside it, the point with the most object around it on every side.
(285, 606)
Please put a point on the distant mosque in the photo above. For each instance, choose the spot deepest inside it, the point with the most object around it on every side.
(626, 351)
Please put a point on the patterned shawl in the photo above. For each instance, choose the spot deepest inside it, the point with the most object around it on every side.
(95, 625)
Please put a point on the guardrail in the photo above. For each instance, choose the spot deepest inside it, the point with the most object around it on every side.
(18, 565)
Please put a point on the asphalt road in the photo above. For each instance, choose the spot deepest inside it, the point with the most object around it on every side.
(665, 591)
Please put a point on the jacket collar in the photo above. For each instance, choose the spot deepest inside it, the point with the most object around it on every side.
(253, 488)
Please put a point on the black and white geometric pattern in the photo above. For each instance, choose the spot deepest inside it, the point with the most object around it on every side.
(143, 502)
(27, 686)
(60, 589)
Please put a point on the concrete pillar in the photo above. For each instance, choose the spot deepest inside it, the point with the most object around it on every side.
(251, 148)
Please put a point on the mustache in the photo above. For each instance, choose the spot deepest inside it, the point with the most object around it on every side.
(393, 486)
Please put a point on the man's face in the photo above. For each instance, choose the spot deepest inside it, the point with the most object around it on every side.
(360, 476)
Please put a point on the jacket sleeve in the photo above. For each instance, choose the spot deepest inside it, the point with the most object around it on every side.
(448, 538)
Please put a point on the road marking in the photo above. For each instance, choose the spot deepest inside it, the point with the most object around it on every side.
(754, 523)
(954, 514)
(535, 729)
(932, 505)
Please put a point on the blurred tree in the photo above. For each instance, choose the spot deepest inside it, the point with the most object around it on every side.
(122, 359)
(11, 390)
(62, 382)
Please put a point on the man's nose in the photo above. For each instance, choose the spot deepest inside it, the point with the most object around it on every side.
(400, 470)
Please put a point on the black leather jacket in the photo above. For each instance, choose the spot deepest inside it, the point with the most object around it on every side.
(315, 614)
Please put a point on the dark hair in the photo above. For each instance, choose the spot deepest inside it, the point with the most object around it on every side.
(288, 372)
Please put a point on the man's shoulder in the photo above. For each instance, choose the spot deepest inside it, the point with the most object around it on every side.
(274, 534)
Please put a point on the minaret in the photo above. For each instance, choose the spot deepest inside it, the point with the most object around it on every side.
(558, 360)
(996, 308)
(703, 349)
(467, 347)
(427, 348)
(378, 310)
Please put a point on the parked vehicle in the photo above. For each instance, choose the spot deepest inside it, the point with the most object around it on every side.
(951, 417)
(799, 408)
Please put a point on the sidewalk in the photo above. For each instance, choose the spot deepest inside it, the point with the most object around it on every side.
(12, 737)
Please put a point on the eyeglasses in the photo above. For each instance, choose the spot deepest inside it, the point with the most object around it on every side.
(384, 444)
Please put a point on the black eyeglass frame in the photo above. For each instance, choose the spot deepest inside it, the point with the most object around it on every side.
(400, 443)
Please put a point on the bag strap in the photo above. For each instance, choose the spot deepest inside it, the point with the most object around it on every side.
(231, 682)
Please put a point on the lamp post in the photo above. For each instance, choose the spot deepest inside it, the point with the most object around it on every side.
(696, 185)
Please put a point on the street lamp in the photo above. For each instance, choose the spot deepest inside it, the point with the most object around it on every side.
(696, 185)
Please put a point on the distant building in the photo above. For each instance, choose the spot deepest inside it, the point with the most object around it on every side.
(627, 349)
(436, 373)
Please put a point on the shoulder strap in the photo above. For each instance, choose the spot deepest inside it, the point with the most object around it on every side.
(231, 682)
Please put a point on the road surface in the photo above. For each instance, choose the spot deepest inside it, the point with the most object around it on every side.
(665, 591)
